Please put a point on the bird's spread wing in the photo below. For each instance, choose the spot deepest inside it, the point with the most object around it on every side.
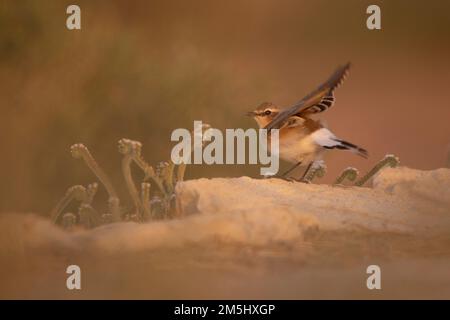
(317, 101)
(324, 104)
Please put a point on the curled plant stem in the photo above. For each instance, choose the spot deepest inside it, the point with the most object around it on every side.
(168, 177)
(157, 207)
(68, 220)
(150, 173)
(145, 199)
(114, 208)
(126, 161)
(160, 173)
(349, 173)
(181, 169)
(163, 178)
(165, 174)
(388, 160)
(132, 190)
(131, 150)
(318, 169)
(134, 148)
(80, 151)
(91, 191)
(88, 215)
(76, 192)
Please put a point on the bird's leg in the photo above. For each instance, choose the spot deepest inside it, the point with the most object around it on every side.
(291, 169)
(302, 179)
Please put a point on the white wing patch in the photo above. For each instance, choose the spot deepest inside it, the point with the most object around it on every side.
(324, 137)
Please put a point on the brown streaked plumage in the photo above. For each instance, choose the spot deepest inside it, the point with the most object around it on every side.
(303, 140)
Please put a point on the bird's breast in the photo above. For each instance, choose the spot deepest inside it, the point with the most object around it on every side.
(296, 145)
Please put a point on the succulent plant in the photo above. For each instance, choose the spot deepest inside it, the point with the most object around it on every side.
(349, 173)
(145, 207)
(388, 160)
(317, 169)
(79, 151)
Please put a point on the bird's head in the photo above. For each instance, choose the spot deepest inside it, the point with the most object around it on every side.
(264, 113)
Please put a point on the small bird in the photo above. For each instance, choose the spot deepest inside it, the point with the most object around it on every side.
(303, 140)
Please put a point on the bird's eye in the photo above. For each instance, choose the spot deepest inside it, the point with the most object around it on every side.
(267, 112)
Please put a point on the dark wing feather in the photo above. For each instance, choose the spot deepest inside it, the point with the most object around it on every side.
(324, 104)
(317, 101)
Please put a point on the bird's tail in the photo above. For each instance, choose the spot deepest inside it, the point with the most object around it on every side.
(344, 145)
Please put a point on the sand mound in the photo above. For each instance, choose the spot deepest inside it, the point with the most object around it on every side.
(401, 200)
(247, 238)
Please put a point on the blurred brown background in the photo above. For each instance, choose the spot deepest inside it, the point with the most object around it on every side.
(141, 69)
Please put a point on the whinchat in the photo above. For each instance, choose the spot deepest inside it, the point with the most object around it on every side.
(303, 140)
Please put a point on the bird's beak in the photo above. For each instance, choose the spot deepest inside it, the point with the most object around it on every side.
(251, 114)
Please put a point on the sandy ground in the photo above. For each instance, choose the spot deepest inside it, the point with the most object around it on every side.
(235, 254)
(329, 265)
